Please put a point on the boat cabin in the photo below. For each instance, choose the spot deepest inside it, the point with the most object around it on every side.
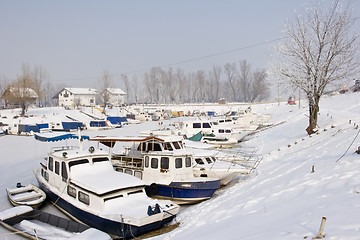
(70, 172)
(154, 158)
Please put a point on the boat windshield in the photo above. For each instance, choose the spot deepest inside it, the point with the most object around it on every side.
(101, 159)
(177, 145)
(208, 160)
(199, 161)
(77, 162)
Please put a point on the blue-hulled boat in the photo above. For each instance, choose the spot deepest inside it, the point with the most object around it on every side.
(85, 186)
(165, 166)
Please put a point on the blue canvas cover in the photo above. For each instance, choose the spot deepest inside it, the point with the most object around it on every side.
(71, 125)
(53, 137)
(97, 124)
(116, 120)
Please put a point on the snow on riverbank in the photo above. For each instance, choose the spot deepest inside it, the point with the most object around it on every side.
(284, 199)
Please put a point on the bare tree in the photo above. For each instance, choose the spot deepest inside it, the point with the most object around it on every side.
(39, 75)
(320, 48)
(230, 72)
(3, 84)
(259, 88)
(214, 78)
(244, 77)
(126, 81)
(134, 84)
(104, 85)
(20, 91)
(180, 78)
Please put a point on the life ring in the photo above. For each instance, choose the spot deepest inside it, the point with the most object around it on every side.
(152, 189)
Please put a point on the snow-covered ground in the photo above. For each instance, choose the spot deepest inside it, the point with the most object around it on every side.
(284, 199)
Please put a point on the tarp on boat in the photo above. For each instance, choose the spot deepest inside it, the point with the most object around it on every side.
(197, 137)
(71, 125)
(97, 123)
(116, 120)
(55, 136)
(42, 125)
(27, 128)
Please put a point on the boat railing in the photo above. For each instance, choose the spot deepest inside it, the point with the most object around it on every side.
(127, 162)
(57, 149)
(248, 159)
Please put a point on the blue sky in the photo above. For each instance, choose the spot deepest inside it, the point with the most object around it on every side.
(75, 41)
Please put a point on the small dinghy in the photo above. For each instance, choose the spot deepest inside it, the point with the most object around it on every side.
(35, 224)
(28, 195)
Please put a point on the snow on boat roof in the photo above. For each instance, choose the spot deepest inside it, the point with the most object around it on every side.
(124, 139)
(136, 139)
(101, 178)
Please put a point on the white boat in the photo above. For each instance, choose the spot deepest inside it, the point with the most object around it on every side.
(164, 165)
(217, 142)
(28, 195)
(209, 166)
(85, 186)
(191, 128)
(35, 224)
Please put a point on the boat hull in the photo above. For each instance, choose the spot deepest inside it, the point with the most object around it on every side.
(115, 228)
(184, 192)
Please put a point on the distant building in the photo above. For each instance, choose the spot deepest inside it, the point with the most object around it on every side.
(13, 96)
(116, 96)
(72, 97)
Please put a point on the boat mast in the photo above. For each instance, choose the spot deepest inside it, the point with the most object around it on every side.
(80, 141)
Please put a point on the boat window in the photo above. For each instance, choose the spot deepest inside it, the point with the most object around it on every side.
(167, 146)
(57, 167)
(157, 147)
(138, 174)
(164, 164)
(206, 125)
(221, 131)
(178, 162)
(51, 164)
(187, 162)
(45, 174)
(199, 161)
(146, 161)
(208, 160)
(154, 163)
(142, 147)
(84, 198)
(64, 173)
(228, 120)
(113, 197)
(71, 191)
(149, 147)
(77, 162)
(177, 145)
(213, 158)
(221, 121)
(196, 125)
(135, 192)
(103, 159)
(128, 171)
(228, 131)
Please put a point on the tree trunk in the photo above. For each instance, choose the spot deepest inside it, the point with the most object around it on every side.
(313, 115)
(23, 109)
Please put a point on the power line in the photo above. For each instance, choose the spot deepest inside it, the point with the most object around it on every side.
(185, 61)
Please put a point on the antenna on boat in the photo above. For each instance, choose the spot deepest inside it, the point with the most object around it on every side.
(80, 143)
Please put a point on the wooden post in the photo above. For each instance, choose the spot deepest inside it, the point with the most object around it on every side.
(321, 234)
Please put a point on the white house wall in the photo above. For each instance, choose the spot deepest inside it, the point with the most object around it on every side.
(116, 100)
(68, 99)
